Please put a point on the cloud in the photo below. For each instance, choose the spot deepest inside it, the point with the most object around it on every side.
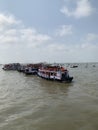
(7, 20)
(13, 31)
(91, 37)
(33, 38)
(64, 30)
(83, 9)
(19, 43)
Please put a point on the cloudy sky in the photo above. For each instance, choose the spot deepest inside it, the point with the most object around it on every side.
(48, 30)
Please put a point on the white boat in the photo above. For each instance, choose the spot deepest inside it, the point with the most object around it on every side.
(54, 73)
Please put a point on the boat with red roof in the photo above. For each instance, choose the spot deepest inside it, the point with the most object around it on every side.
(52, 72)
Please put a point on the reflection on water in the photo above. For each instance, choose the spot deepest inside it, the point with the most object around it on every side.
(32, 103)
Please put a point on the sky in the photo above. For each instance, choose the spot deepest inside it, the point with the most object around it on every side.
(48, 31)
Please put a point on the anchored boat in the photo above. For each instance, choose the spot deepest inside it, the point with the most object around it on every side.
(46, 71)
(30, 71)
(13, 66)
(54, 73)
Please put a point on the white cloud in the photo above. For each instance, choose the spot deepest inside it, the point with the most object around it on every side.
(64, 30)
(15, 37)
(13, 31)
(91, 37)
(21, 44)
(32, 37)
(7, 20)
(83, 9)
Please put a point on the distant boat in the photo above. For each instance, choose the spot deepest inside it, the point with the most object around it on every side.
(74, 66)
(54, 73)
(13, 66)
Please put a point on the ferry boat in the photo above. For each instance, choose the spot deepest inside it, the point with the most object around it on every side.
(46, 71)
(13, 66)
(30, 71)
(21, 68)
(54, 73)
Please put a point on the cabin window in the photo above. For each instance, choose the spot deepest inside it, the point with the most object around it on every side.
(52, 74)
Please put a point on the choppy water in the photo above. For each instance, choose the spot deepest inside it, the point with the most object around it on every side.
(32, 103)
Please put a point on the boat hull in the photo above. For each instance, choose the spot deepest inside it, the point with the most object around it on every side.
(66, 80)
(30, 73)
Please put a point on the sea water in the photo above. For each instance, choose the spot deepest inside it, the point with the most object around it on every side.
(32, 103)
